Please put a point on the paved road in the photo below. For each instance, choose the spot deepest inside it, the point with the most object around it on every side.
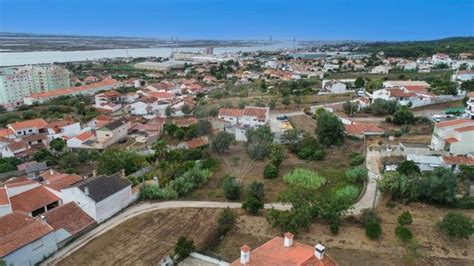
(371, 196)
(142, 208)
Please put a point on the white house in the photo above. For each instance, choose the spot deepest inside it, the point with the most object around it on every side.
(426, 162)
(28, 127)
(440, 58)
(408, 65)
(242, 119)
(78, 141)
(100, 197)
(454, 136)
(334, 86)
(63, 129)
(470, 106)
(381, 69)
(463, 75)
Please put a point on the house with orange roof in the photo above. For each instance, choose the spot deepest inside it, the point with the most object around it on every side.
(284, 251)
(64, 128)
(28, 127)
(57, 181)
(80, 141)
(99, 121)
(194, 143)
(5, 204)
(359, 129)
(109, 100)
(455, 137)
(35, 201)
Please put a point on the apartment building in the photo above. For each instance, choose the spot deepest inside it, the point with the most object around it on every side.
(17, 83)
(454, 136)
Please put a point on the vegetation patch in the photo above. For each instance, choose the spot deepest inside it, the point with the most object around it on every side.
(305, 178)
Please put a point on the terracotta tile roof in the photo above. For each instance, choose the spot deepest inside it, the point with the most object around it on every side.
(161, 95)
(84, 136)
(60, 123)
(361, 128)
(231, 112)
(71, 90)
(274, 253)
(69, 217)
(185, 121)
(4, 197)
(259, 112)
(20, 182)
(197, 142)
(397, 92)
(454, 122)
(451, 140)
(417, 89)
(5, 132)
(33, 199)
(16, 146)
(465, 129)
(18, 229)
(459, 160)
(61, 181)
(110, 93)
(33, 123)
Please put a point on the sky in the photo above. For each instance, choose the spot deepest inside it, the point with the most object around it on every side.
(244, 19)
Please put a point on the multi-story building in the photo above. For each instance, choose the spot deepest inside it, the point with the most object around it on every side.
(454, 136)
(470, 105)
(17, 83)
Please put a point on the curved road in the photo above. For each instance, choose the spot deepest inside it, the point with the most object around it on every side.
(142, 208)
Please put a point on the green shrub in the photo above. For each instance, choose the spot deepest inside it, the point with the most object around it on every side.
(334, 227)
(304, 178)
(456, 225)
(347, 194)
(405, 218)
(252, 205)
(357, 174)
(231, 188)
(270, 171)
(358, 159)
(369, 216)
(276, 155)
(256, 190)
(184, 247)
(225, 221)
(403, 233)
(373, 230)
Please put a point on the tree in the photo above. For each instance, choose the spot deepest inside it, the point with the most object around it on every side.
(405, 218)
(203, 127)
(169, 111)
(408, 168)
(276, 155)
(270, 171)
(399, 187)
(186, 109)
(57, 144)
(350, 108)
(467, 85)
(330, 129)
(184, 247)
(179, 134)
(357, 174)
(9, 164)
(161, 149)
(373, 231)
(259, 142)
(69, 162)
(384, 107)
(456, 225)
(113, 160)
(252, 205)
(403, 116)
(225, 221)
(170, 129)
(222, 142)
(286, 100)
(231, 188)
(359, 82)
(256, 190)
(272, 104)
(440, 186)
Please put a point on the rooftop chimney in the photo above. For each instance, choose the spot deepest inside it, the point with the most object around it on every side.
(51, 171)
(86, 190)
(122, 173)
(288, 240)
(244, 255)
(94, 173)
(319, 251)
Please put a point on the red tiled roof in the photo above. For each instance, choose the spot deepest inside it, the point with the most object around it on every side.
(110, 93)
(361, 128)
(18, 229)
(33, 199)
(5, 132)
(465, 129)
(61, 181)
(4, 197)
(451, 140)
(274, 253)
(417, 89)
(259, 112)
(33, 123)
(231, 112)
(84, 136)
(60, 123)
(21, 182)
(71, 90)
(396, 92)
(185, 121)
(453, 122)
(197, 142)
(69, 217)
(459, 160)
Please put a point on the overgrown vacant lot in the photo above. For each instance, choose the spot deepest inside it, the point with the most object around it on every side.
(145, 239)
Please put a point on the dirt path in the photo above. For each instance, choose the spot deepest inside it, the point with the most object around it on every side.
(139, 209)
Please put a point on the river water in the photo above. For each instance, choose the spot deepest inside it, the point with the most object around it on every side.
(25, 58)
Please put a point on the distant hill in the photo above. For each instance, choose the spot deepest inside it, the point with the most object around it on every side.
(413, 49)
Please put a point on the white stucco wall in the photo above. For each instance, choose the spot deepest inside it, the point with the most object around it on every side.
(113, 204)
(34, 252)
(82, 200)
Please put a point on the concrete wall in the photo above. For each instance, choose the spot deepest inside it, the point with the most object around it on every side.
(76, 195)
(113, 204)
(33, 252)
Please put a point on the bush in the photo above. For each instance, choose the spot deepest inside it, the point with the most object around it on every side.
(357, 174)
(456, 225)
(270, 172)
(256, 190)
(388, 119)
(184, 247)
(259, 142)
(334, 227)
(347, 194)
(252, 205)
(304, 178)
(225, 221)
(403, 116)
(369, 216)
(405, 218)
(357, 159)
(276, 155)
(403, 233)
(383, 107)
(373, 230)
(330, 129)
(408, 168)
(231, 188)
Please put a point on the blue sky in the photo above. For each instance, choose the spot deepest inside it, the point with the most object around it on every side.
(244, 19)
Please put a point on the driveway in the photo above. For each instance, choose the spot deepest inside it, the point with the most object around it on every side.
(142, 208)
(371, 196)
